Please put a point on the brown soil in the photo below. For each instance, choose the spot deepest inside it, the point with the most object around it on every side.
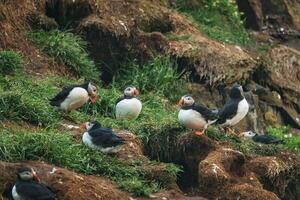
(66, 184)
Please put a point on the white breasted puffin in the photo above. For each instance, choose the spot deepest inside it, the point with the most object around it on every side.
(194, 116)
(28, 187)
(235, 109)
(128, 106)
(265, 139)
(97, 137)
(74, 97)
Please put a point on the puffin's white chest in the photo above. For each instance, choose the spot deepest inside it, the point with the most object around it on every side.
(192, 119)
(128, 108)
(77, 98)
(242, 111)
(14, 193)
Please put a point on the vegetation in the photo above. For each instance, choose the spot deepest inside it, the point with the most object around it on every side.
(10, 62)
(60, 149)
(159, 76)
(290, 142)
(69, 49)
(219, 19)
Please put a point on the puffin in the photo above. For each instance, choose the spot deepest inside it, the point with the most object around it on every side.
(97, 137)
(28, 187)
(265, 139)
(74, 97)
(235, 109)
(194, 116)
(128, 106)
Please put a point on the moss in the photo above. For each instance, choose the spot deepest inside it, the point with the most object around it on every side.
(271, 118)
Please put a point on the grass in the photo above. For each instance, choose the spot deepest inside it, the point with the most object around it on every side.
(219, 19)
(69, 49)
(248, 147)
(60, 149)
(10, 62)
(174, 37)
(290, 142)
(158, 76)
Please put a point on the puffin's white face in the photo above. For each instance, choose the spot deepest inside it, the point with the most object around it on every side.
(186, 100)
(86, 126)
(92, 90)
(131, 92)
(248, 134)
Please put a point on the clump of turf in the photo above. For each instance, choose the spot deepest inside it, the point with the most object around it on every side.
(60, 149)
(69, 49)
(10, 62)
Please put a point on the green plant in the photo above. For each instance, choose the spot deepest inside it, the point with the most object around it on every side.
(60, 149)
(158, 76)
(174, 37)
(10, 62)
(219, 19)
(69, 49)
(289, 141)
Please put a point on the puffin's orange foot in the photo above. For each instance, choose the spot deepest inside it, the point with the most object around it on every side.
(199, 133)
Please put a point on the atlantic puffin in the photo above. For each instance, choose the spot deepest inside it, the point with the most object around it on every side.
(97, 137)
(265, 139)
(128, 106)
(28, 187)
(194, 116)
(235, 109)
(74, 97)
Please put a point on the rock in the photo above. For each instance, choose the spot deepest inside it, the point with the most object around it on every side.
(66, 184)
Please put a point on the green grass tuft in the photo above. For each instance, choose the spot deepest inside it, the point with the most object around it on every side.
(290, 142)
(158, 76)
(69, 49)
(220, 20)
(10, 62)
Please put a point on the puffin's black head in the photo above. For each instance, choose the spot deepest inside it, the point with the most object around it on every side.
(186, 100)
(236, 92)
(131, 91)
(88, 126)
(27, 174)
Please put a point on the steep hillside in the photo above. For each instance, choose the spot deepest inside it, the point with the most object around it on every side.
(166, 49)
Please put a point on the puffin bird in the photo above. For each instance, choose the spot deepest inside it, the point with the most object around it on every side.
(74, 97)
(194, 116)
(28, 187)
(128, 106)
(235, 109)
(97, 137)
(265, 139)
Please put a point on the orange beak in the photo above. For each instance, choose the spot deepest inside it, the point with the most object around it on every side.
(82, 127)
(36, 178)
(136, 92)
(94, 99)
(181, 102)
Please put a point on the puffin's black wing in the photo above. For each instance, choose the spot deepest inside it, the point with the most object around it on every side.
(267, 139)
(105, 137)
(228, 111)
(206, 112)
(34, 191)
(61, 96)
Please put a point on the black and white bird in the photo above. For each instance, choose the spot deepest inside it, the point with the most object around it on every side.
(28, 187)
(97, 137)
(194, 116)
(265, 139)
(128, 106)
(74, 97)
(235, 109)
